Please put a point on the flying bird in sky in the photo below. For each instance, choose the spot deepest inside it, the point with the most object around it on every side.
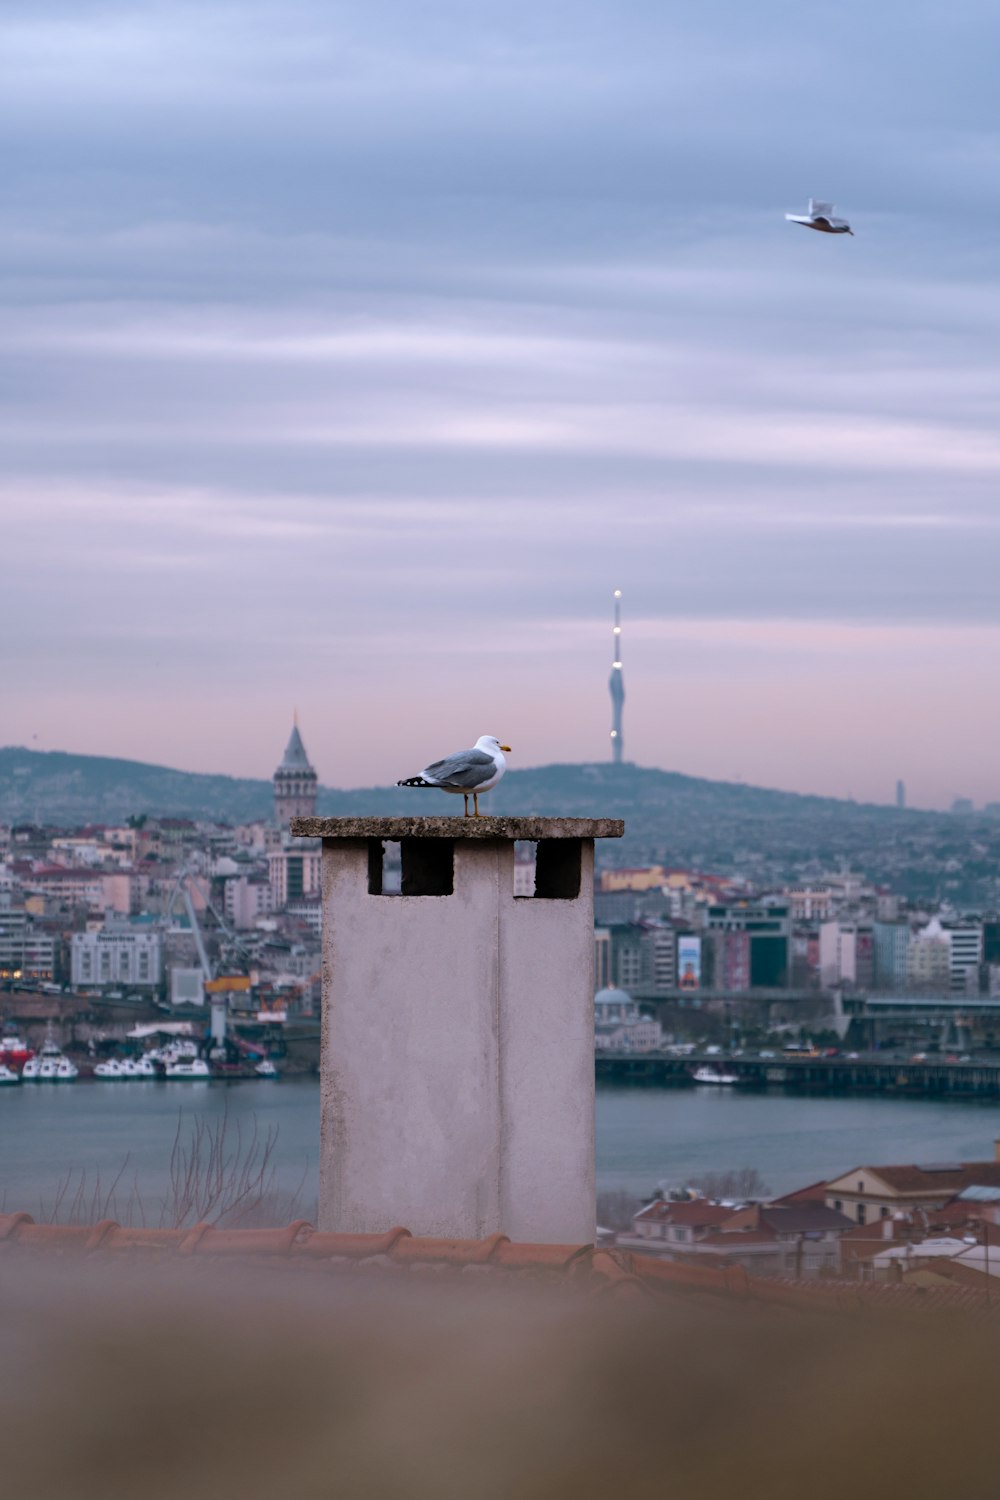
(468, 772)
(820, 216)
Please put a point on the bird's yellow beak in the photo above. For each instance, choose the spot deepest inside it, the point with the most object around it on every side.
(506, 748)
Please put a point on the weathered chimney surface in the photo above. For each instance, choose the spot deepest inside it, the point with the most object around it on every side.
(458, 1028)
(530, 829)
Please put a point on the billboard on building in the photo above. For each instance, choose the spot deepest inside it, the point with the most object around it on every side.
(689, 963)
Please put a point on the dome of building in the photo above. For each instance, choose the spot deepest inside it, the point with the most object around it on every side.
(612, 996)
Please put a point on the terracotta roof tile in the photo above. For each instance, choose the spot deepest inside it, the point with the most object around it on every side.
(930, 1179)
(326, 1244)
(301, 1243)
(951, 1269)
(814, 1193)
(601, 1271)
(690, 1213)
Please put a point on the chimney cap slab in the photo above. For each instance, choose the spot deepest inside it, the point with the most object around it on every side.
(482, 827)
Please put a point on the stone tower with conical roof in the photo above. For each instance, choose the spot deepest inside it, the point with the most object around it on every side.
(295, 782)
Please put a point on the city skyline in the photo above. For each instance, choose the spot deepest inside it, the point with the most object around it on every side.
(353, 359)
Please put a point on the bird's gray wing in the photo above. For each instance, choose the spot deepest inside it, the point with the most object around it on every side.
(467, 770)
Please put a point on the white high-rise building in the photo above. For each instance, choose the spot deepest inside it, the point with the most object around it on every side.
(118, 953)
(246, 898)
(294, 872)
(846, 954)
(928, 959)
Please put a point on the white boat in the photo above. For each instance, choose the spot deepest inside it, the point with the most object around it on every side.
(188, 1067)
(53, 1067)
(136, 1067)
(709, 1074)
(172, 1052)
(31, 1070)
(111, 1069)
(265, 1069)
(7, 1075)
(58, 1070)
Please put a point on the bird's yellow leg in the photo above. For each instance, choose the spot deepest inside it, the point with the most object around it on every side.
(475, 803)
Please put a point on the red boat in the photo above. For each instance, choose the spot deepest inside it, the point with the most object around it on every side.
(14, 1051)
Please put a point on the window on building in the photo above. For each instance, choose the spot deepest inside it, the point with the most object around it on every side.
(883, 1212)
(629, 968)
(861, 1213)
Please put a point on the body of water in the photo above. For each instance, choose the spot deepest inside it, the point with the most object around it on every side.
(75, 1141)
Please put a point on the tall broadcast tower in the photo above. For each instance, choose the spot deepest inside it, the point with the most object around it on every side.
(616, 684)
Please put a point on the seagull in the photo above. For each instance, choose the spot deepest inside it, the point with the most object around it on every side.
(820, 216)
(467, 771)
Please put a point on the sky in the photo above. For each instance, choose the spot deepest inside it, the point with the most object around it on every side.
(352, 353)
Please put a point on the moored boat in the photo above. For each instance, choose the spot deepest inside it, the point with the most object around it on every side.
(53, 1065)
(708, 1074)
(14, 1050)
(188, 1067)
(110, 1070)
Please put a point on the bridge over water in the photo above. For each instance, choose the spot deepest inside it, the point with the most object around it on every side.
(933, 1078)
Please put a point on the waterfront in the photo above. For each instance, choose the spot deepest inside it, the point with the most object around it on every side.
(78, 1139)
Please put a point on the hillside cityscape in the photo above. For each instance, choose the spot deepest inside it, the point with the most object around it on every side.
(805, 909)
(725, 828)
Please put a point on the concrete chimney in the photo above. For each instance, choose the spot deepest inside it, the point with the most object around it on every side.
(457, 1087)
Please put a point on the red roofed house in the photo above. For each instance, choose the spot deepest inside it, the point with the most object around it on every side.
(804, 1238)
(869, 1193)
(767, 1239)
(661, 1223)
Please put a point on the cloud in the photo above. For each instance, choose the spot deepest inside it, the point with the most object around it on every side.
(336, 337)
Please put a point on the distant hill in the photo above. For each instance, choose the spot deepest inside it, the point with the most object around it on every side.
(682, 820)
(54, 787)
(60, 788)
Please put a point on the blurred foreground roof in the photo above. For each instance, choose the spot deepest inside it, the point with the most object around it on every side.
(589, 1269)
